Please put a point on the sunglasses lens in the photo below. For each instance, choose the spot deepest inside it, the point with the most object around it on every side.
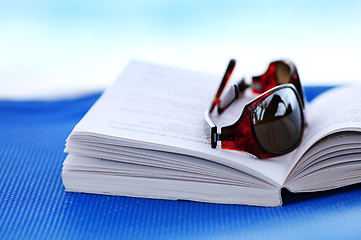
(277, 121)
(282, 73)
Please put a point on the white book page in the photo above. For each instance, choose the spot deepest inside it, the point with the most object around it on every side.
(165, 106)
(337, 110)
(316, 155)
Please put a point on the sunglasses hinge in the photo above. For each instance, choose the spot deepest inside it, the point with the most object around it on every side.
(215, 137)
(219, 137)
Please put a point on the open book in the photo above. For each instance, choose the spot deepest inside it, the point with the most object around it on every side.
(146, 137)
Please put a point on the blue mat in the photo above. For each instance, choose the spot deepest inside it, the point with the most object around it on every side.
(34, 205)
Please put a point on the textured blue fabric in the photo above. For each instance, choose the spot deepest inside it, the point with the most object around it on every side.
(34, 205)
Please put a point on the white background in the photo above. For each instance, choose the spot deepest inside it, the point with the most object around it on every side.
(62, 46)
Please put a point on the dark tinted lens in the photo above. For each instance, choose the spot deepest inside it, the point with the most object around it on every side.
(277, 121)
(282, 73)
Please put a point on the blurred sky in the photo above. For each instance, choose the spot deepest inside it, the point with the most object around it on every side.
(57, 44)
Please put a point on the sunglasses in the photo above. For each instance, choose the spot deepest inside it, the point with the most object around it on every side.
(270, 125)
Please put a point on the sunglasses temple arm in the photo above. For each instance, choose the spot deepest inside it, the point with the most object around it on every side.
(233, 93)
(214, 135)
(224, 81)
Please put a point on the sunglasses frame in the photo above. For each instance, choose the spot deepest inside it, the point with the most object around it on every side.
(259, 85)
(241, 135)
(268, 79)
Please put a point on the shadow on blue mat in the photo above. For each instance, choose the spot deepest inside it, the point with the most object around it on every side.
(290, 198)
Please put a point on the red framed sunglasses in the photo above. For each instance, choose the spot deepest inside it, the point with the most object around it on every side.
(270, 125)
